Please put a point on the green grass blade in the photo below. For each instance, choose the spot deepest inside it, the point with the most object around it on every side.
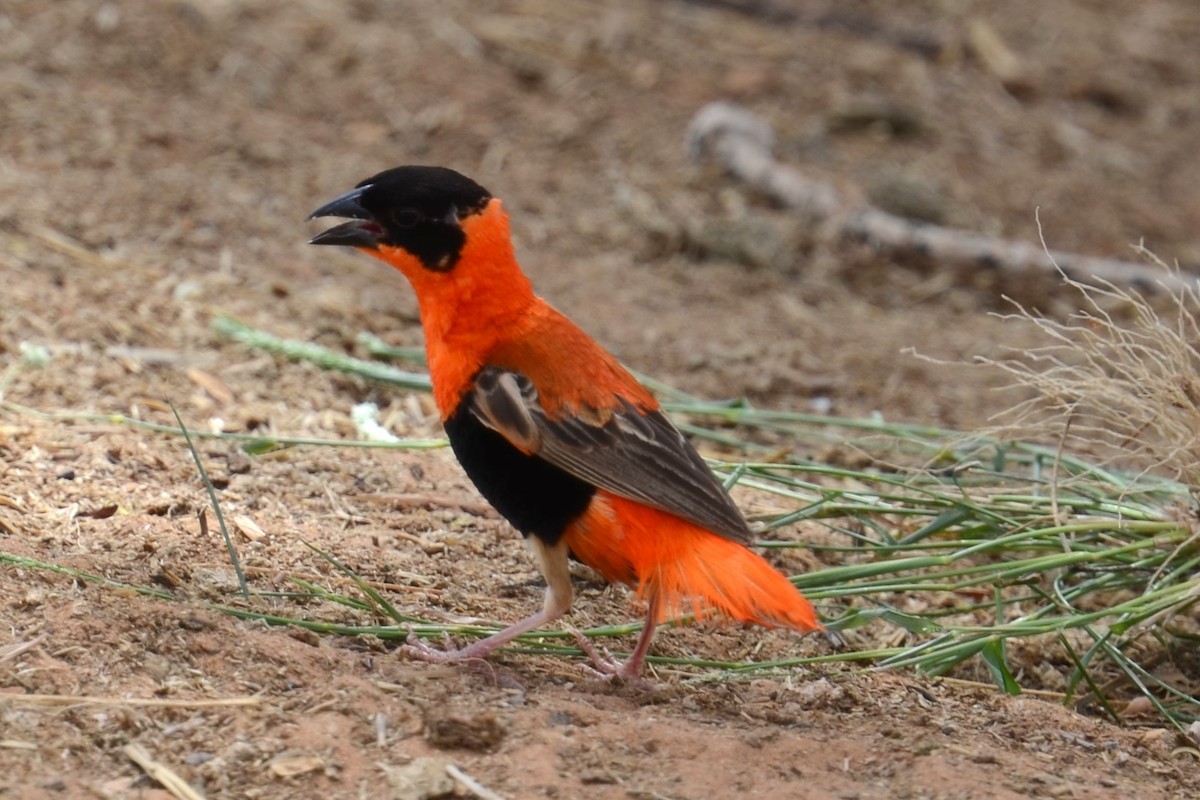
(216, 506)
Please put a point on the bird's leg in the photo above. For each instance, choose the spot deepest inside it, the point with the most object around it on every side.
(605, 666)
(552, 561)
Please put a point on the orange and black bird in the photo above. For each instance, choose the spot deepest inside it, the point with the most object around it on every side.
(558, 436)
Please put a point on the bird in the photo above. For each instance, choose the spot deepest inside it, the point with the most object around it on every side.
(567, 445)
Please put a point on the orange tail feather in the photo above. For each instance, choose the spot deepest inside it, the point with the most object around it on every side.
(685, 567)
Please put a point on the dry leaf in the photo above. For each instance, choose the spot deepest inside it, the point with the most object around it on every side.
(214, 386)
(249, 528)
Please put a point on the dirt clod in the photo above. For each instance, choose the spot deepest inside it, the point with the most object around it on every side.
(457, 730)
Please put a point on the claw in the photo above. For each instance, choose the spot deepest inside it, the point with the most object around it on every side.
(604, 665)
(416, 647)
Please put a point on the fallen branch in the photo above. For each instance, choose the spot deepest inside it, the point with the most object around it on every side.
(743, 142)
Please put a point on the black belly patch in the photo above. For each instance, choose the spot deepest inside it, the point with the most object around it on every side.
(535, 496)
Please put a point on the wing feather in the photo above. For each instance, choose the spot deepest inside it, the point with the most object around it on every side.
(627, 451)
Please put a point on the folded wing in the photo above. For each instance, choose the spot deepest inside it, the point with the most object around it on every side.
(629, 452)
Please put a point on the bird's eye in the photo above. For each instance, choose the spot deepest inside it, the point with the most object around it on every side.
(406, 218)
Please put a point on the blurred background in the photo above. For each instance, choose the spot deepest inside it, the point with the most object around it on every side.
(183, 144)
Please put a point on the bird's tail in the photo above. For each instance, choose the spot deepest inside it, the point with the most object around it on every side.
(683, 567)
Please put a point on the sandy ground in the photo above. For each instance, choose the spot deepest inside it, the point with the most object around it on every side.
(156, 163)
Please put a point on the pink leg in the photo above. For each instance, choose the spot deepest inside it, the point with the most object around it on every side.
(552, 561)
(604, 665)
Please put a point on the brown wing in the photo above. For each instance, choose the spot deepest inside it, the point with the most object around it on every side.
(634, 454)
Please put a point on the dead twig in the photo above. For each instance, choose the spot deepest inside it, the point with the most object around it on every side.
(11, 651)
(470, 784)
(161, 773)
(151, 702)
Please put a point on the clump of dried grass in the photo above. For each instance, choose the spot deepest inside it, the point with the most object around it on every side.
(1119, 379)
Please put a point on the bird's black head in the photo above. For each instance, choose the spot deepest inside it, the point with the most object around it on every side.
(417, 209)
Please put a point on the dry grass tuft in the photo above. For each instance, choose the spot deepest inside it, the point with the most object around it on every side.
(1120, 379)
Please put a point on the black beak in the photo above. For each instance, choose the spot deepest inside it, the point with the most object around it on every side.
(361, 231)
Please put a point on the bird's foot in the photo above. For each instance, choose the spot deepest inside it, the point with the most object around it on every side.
(607, 667)
(417, 648)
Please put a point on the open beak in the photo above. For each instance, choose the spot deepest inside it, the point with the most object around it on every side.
(360, 231)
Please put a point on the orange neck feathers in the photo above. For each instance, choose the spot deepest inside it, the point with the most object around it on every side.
(483, 312)
(467, 310)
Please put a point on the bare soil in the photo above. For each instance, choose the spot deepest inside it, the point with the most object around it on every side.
(157, 161)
